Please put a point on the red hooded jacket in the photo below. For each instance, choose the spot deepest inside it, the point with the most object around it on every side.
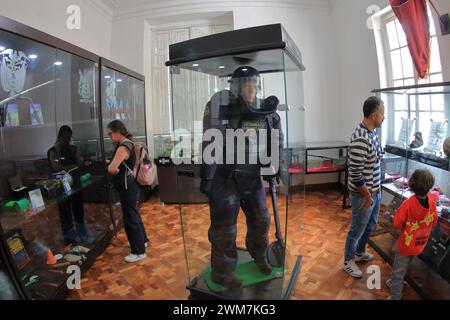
(415, 223)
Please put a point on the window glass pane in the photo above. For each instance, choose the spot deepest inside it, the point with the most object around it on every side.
(399, 116)
(401, 34)
(410, 82)
(397, 72)
(392, 35)
(424, 102)
(432, 26)
(408, 68)
(424, 81)
(413, 103)
(437, 102)
(435, 78)
(438, 116)
(398, 83)
(425, 124)
(435, 63)
(400, 102)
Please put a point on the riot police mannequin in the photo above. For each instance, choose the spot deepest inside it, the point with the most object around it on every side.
(231, 186)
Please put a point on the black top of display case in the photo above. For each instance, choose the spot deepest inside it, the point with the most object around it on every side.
(243, 46)
(22, 30)
(112, 65)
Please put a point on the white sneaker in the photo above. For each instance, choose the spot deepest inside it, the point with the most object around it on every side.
(364, 257)
(135, 257)
(146, 245)
(352, 269)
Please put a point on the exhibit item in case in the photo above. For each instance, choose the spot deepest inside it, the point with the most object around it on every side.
(413, 136)
(241, 126)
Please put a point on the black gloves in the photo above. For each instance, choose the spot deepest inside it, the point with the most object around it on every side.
(270, 177)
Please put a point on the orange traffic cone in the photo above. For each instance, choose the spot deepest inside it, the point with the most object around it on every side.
(50, 257)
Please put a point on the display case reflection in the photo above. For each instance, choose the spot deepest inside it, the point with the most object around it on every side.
(51, 210)
(235, 241)
(122, 99)
(416, 135)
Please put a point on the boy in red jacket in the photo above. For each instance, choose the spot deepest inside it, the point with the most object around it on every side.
(415, 219)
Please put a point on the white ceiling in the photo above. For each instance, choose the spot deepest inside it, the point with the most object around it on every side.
(123, 7)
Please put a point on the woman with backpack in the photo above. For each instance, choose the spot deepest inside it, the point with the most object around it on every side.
(128, 188)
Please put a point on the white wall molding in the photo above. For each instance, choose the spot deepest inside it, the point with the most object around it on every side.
(175, 7)
(104, 7)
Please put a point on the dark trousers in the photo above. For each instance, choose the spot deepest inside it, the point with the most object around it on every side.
(70, 211)
(134, 228)
(227, 196)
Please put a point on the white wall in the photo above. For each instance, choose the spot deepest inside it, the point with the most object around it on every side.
(50, 16)
(358, 65)
(309, 22)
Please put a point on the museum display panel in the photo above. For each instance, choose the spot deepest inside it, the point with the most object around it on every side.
(123, 98)
(208, 80)
(415, 136)
(49, 109)
(55, 197)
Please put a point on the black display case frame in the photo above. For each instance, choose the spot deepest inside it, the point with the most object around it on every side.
(16, 28)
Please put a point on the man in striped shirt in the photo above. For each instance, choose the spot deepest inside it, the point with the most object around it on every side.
(364, 171)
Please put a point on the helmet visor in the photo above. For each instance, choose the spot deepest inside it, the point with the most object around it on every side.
(248, 88)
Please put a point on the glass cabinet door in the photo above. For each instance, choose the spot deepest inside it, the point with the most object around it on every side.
(416, 136)
(52, 175)
(234, 230)
(123, 98)
(396, 136)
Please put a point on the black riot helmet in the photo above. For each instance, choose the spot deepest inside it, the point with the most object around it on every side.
(243, 76)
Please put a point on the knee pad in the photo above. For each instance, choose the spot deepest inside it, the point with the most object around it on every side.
(218, 233)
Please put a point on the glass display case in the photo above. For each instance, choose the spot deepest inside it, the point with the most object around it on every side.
(327, 157)
(122, 98)
(247, 83)
(169, 151)
(415, 136)
(50, 160)
(55, 201)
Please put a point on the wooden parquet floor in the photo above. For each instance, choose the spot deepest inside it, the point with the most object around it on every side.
(318, 235)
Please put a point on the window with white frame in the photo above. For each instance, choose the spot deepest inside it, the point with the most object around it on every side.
(401, 72)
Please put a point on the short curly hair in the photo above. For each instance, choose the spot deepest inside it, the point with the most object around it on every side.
(421, 182)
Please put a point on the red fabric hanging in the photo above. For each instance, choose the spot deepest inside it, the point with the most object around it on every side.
(413, 17)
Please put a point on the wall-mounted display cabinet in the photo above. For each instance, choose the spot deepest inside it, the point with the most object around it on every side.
(55, 199)
(417, 136)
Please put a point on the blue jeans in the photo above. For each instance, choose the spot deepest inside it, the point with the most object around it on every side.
(364, 222)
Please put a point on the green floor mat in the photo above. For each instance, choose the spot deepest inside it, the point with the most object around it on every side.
(248, 272)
